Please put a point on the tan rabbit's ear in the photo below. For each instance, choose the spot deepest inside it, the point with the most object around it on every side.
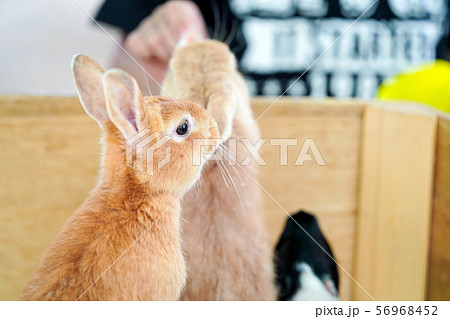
(222, 108)
(123, 101)
(87, 74)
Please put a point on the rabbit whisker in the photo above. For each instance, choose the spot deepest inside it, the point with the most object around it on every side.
(226, 173)
(232, 166)
(234, 185)
(221, 173)
(237, 156)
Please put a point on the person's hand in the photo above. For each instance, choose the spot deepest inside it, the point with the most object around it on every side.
(158, 35)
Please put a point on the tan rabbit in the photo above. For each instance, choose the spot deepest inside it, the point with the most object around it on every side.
(129, 212)
(227, 251)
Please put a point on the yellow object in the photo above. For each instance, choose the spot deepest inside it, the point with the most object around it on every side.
(428, 83)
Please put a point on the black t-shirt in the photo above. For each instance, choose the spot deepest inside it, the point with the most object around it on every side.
(276, 42)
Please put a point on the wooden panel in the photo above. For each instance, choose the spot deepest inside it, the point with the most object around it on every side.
(329, 191)
(51, 156)
(439, 274)
(48, 163)
(396, 184)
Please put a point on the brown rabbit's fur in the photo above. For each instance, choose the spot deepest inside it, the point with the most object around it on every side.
(226, 247)
(124, 204)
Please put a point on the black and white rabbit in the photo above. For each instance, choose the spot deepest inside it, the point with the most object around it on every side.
(304, 271)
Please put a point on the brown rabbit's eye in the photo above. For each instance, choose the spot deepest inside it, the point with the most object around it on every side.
(183, 128)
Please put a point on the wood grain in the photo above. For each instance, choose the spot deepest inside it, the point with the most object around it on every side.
(49, 162)
(396, 184)
(329, 191)
(439, 273)
(378, 179)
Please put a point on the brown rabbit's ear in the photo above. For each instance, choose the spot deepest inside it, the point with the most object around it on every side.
(87, 74)
(123, 101)
(222, 108)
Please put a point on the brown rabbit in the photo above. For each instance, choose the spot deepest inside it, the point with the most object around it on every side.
(227, 251)
(128, 230)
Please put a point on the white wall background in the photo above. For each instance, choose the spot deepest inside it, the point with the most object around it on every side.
(38, 39)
